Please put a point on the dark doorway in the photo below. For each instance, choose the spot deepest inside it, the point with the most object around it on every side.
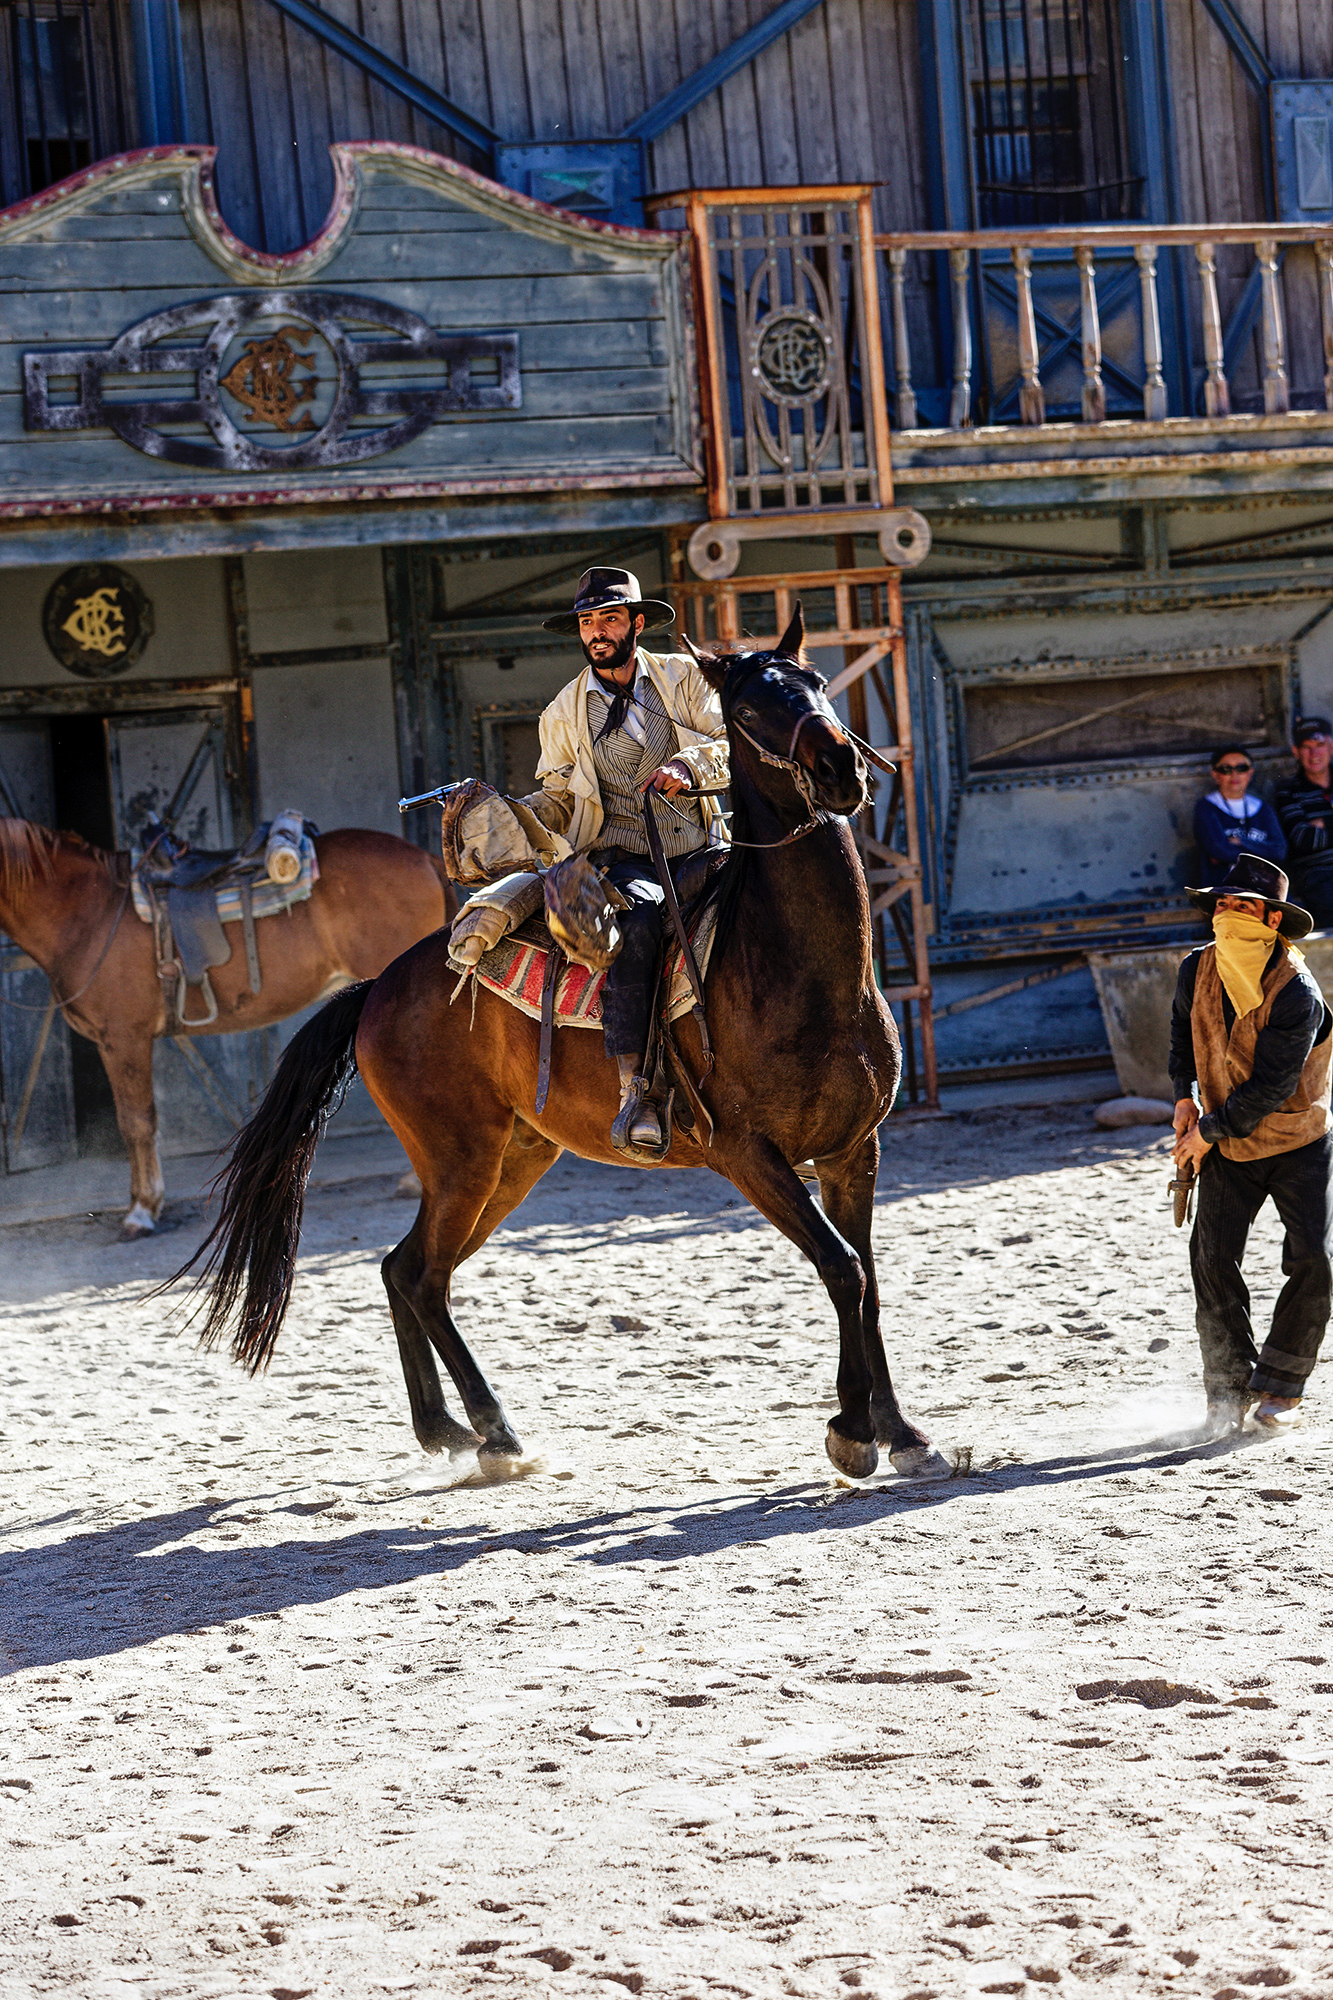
(81, 794)
(81, 780)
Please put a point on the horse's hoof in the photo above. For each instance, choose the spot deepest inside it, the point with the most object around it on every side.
(498, 1462)
(922, 1461)
(852, 1458)
(409, 1187)
(445, 1436)
(139, 1222)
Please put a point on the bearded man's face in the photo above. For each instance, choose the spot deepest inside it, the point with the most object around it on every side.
(608, 638)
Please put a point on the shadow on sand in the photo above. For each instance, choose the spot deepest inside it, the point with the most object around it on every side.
(103, 1591)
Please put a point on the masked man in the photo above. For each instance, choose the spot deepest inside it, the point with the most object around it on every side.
(632, 722)
(1251, 1054)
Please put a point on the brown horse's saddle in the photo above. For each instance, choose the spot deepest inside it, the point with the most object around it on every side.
(187, 894)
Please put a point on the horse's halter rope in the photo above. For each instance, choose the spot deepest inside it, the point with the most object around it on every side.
(25, 1007)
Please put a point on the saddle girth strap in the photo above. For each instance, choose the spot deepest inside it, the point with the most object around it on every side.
(555, 960)
(247, 890)
(682, 936)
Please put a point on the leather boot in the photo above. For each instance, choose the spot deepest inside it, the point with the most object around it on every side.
(636, 1122)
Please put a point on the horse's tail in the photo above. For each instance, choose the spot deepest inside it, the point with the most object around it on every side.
(251, 1248)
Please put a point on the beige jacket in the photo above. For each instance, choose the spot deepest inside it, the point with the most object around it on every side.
(570, 802)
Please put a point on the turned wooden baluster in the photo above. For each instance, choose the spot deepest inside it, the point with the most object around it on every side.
(1216, 395)
(960, 405)
(902, 353)
(1273, 334)
(1094, 394)
(1154, 382)
(1031, 401)
(1324, 259)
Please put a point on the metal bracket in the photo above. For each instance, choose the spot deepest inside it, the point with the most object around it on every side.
(714, 550)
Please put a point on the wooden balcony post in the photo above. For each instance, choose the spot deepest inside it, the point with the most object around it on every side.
(1094, 393)
(960, 406)
(1276, 388)
(1324, 260)
(902, 354)
(1154, 382)
(1031, 401)
(1216, 394)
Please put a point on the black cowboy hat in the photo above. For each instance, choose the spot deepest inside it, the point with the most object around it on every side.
(607, 590)
(1251, 876)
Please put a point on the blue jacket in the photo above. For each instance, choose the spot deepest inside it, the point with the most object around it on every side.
(1221, 835)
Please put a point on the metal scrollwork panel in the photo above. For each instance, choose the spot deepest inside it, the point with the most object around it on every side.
(288, 364)
(790, 291)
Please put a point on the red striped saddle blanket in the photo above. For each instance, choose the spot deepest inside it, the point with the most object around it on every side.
(516, 968)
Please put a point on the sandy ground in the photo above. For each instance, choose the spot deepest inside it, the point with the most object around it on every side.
(290, 1709)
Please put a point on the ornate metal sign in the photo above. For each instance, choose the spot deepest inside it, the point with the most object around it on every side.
(306, 368)
(96, 620)
(793, 356)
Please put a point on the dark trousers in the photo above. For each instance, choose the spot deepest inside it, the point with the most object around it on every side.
(1231, 1193)
(627, 997)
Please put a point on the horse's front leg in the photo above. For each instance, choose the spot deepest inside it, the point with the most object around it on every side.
(758, 1169)
(129, 1068)
(847, 1187)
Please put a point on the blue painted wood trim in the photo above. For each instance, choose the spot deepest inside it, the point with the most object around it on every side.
(159, 63)
(948, 119)
(391, 74)
(1242, 43)
(1152, 145)
(650, 124)
(1241, 323)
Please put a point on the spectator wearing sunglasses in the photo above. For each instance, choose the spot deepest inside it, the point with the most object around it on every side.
(1228, 822)
(1305, 808)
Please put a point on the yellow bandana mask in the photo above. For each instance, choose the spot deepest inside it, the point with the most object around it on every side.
(1243, 948)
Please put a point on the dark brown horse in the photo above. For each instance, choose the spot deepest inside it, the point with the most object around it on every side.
(67, 905)
(807, 1064)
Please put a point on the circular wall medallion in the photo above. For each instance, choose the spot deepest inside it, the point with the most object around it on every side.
(96, 620)
(792, 356)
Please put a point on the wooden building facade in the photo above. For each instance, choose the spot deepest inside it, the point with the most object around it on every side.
(347, 332)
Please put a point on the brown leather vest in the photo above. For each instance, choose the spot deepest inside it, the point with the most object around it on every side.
(1222, 1063)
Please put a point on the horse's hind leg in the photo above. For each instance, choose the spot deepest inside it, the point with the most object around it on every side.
(847, 1188)
(435, 1429)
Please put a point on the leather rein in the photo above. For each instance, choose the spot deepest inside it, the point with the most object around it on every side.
(797, 772)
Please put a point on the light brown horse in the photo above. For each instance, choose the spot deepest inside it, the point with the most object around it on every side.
(67, 905)
(807, 1065)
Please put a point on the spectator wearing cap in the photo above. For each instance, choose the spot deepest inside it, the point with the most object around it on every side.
(1228, 822)
(1305, 810)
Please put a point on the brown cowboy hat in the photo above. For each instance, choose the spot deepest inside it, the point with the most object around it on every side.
(1252, 876)
(606, 590)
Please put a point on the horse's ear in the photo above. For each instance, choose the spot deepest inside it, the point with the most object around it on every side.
(792, 640)
(710, 666)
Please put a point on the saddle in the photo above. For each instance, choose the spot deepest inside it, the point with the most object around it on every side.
(530, 959)
(188, 893)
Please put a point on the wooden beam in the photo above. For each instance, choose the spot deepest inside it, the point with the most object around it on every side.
(651, 124)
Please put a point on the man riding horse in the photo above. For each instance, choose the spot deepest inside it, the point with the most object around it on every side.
(632, 722)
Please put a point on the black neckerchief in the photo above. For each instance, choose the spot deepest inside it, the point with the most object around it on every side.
(619, 699)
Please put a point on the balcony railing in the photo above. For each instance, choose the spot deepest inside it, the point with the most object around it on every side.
(1092, 322)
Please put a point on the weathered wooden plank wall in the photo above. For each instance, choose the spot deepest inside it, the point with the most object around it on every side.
(1220, 140)
(836, 99)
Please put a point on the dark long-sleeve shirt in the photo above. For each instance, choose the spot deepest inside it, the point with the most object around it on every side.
(1299, 804)
(1299, 1019)
(1221, 835)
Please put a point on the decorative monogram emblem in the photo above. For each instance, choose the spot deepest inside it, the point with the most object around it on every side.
(246, 377)
(97, 620)
(97, 623)
(793, 356)
(262, 380)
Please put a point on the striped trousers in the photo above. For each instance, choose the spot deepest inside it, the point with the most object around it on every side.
(1231, 1193)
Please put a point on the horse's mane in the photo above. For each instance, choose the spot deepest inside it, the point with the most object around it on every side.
(28, 853)
(728, 885)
